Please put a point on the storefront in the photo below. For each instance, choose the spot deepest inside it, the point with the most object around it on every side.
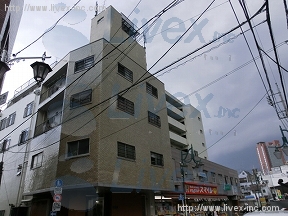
(197, 196)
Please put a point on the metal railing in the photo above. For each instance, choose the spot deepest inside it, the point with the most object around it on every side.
(48, 124)
(52, 89)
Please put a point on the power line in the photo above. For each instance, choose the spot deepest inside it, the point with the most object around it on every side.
(162, 68)
(235, 125)
(156, 16)
(207, 85)
(50, 29)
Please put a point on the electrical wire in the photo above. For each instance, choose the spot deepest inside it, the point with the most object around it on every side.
(235, 125)
(107, 55)
(207, 85)
(186, 55)
(50, 29)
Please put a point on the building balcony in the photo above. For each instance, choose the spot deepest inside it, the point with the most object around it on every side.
(48, 124)
(176, 126)
(177, 140)
(174, 112)
(52, 89)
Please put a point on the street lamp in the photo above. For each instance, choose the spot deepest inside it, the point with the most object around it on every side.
(284, 147)
(40, 69)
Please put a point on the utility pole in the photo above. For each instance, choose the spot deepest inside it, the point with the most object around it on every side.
(258, 187)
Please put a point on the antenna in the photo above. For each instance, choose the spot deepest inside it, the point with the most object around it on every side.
(96, 8)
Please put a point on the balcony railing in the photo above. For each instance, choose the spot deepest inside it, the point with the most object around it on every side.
(48, 124)
(53, 88)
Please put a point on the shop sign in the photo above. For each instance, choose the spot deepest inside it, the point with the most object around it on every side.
(227, 187)
(201, 189)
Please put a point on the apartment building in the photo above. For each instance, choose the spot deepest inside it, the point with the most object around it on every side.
(94, 148)
(10, 16)
(267, 159)
(185, 126)
(16, 131)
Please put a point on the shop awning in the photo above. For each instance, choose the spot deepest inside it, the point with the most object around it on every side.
(197, 197)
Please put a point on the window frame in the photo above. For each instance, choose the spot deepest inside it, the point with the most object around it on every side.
(21, 141)
(79, 99)
(154, 119)
(85, 64)
(68, 156)
(126, 151)
(28, 109)
(38, 164)
(159, 159)
(3, 123)
(125, 105)
(150, 88)
(11, 119)
(125, 72)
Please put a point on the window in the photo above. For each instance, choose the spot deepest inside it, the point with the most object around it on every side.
(125, 72)
(23, 137)
(28, 110)
(199, 118)
(236, 181)
(195, 153)
(2, 212)
(156, 159)
(213, 176)
(151, 90)
(126, 151)
(79, 147)
(81, 98)
(203, 144)
(226, 179)
(37, 160)
(231, 180)
(84, 64)
(125, 105)
(220, 178)
(4, 145)
(11, 119)
(154, 119)
(3, 124)
(201, 131)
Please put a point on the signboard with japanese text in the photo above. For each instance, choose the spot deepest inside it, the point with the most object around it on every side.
(201, 189)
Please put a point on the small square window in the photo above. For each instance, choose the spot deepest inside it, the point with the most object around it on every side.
(125, 105)
(23, 137)
(126, 151)
(5, 145)
(11, 119)
(79, 147)
(154, 119)
(37, 160)
(81, 98)
(125, 72)
(157, 159)
(151, 90)
(28, 110)
(3, 124)
(84, 64)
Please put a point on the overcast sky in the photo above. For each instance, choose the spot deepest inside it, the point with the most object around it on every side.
(237, 93)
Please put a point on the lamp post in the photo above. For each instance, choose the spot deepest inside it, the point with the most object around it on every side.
(40, 69)
(184, 161)
(283, 147)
